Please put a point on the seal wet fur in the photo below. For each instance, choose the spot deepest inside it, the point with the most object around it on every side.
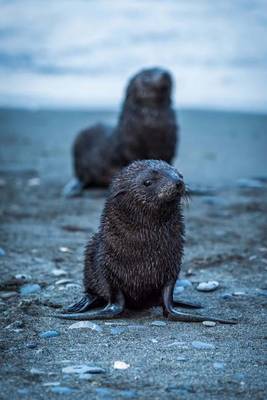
(146, 129)
(134, 259)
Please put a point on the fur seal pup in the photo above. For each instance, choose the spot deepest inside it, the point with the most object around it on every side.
(146, 129)
(134, 259)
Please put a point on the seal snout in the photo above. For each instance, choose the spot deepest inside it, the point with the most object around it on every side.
(172, 188)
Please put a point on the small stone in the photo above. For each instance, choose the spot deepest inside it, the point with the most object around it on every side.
(182, 359)
(29, 288)
(36, 371)
(202, 345)
(2, 182)
(34, 182)
(82, 369)
(226, 296)
(263, 249)
(183, 283)
(86, 325)
(73, 285)
(117, 330)
(178, 289)
(251, 258)
(209, 323)
(59, 272)
(62, 390)
(154, 340)
(64, 249)
(31, 345)
(23, 277)
(86, 377)
(120, 365)
(2, 252)
(158, 323)
(23, 391)
(49, 334)
(51, 384)
(64, 281)
(127, 394)
(218, 365)
(8, 295)
(15, 325)
(207, 286)
(250, 183)
(239, 293)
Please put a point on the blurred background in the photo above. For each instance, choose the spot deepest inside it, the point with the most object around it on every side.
(81, 53)
(64, 65)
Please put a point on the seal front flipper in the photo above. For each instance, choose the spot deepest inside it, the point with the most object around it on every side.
(86, 303)
(175, 315)
(112, 310)
(73, 188)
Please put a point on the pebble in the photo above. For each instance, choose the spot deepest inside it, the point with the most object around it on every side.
(36, 371)
(2, 182)
(8, 295)
(23, 277)
(120, 365)
(250, 183)
(51, 384)
(202, 345)
(34, 182)
(183, 283)
(58, 272)
(49, 334)
(178, 289)
(64, 249)
(182, 359)
(251, 258)
(64, 281)
(239, 293)
(154, 340)
(82, 369)
(62, 390)
(86, 325)
(15, 325)
(207, 286)
(218, 365)
(2, 252)
(31, 345)
(86, 377)
(158, 323)
(209, 323)
(23, 391)
(29, 288)
(117, 330)
(226, 296)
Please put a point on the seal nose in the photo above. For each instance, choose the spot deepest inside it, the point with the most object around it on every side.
(179, 183)
(161, 80)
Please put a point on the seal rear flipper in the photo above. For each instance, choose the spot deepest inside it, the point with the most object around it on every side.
(112, 310)
(175, 315)
(86, 303)
(73, 188)
(185, 304)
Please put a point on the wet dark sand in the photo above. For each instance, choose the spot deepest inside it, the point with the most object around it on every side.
(226, 241)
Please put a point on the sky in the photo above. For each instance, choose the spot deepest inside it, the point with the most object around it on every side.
(80, 54)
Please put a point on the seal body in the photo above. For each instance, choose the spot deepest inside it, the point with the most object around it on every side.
(139, 245)
(146, 129)
(134, 259)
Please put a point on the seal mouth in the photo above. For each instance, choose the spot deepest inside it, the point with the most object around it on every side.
(172, 192)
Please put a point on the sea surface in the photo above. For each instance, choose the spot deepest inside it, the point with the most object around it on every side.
(81, 53)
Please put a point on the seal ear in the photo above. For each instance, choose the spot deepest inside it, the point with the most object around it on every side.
(118, 193)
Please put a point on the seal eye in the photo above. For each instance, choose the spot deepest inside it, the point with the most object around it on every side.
(147, 182)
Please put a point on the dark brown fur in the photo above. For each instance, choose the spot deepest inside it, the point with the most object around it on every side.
(139, 245)
(146, 129)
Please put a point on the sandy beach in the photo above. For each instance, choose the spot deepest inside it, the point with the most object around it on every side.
(43, 235)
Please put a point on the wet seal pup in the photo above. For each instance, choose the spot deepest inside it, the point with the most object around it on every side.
(146, 129)
(134, 259)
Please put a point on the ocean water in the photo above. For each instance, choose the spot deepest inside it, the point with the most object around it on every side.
(80, 54)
